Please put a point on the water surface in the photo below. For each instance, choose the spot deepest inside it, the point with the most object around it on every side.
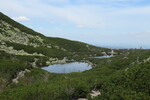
(103, 56)
(68, 67)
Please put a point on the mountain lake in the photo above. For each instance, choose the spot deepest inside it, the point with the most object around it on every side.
(68, 67)
(71, 67)
(109, 56)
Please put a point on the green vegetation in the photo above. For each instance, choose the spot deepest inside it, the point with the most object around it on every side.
(122, 77)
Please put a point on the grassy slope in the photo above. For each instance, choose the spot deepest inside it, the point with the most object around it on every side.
(111, 78)
(109, 75)
(18, 63)
(11, 64)
(70, 46)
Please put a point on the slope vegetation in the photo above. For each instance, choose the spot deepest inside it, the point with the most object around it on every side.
(23, 52)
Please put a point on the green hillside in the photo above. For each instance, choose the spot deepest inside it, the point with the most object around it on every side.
(13, 32)
(23, 52)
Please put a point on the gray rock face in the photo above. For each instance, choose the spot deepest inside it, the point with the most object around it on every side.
(20, 75)
(9, 33)
(12, 34)
(95, 93)
(104, 53)
(11, 50)
(147, 60)
(52, 61)
(33, 64)
(26, 70)
(112, 52)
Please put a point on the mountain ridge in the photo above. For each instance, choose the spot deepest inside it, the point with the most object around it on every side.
(36, 38)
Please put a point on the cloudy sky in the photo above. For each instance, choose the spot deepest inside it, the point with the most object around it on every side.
(109, 23)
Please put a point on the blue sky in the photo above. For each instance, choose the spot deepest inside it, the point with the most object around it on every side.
(110, 23)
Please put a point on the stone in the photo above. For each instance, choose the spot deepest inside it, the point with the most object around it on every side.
(104, 53)
(27, 70)
(95, 93)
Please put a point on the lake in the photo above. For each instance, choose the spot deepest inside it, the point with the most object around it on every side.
(68, 67)
(102, 56)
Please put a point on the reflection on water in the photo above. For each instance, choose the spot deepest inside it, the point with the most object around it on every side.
(68, 67)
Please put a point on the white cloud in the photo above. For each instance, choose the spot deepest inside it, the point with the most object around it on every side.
(89, 16)
(78, 15)
(103, 18)
(80, 26)
(21, 18)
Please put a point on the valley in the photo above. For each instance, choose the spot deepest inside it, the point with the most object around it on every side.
(24, 52)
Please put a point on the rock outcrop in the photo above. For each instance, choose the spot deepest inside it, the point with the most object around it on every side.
(20, 75)
(104, 53)
(95, 93)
